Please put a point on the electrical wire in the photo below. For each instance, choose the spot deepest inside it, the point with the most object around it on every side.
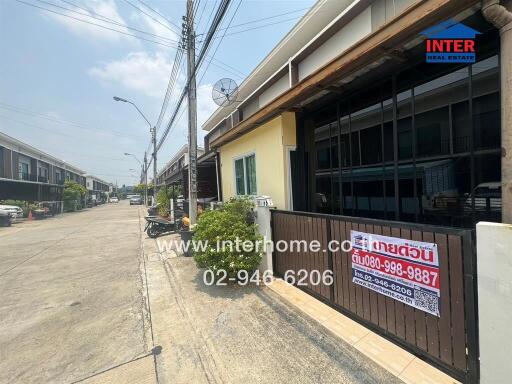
(159, 14)
(212, 30)
(28, 112)
(151, 17)
(95, 24)
(103, 18)
(265, 18)
(262, 26)
(220, 41)
(171, 85)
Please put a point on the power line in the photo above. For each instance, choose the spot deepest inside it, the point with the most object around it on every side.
(220, 41)
(103, 18)
(201, 14)
(94, 24)
(151, 17)
(212, 30)
(159, 14)
(265, 18)
(28, 112)
(171, 85)
(262, 26)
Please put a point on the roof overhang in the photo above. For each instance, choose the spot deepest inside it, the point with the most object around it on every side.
(367, 53)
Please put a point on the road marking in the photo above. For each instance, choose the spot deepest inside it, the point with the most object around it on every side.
(9, 232)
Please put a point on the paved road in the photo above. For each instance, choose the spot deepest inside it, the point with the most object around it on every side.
(86, 298)
(71, 301)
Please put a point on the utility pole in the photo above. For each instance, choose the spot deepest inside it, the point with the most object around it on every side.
(153, 135)
(145, 170)
(192, 113)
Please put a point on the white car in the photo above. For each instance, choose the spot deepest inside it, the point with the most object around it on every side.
(114, 200)
(487, 197)
(13, 210)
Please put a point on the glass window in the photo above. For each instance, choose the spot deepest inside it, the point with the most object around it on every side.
(371, 145)
(322, 155)
(2, 162)
(355, 148)
(404, 139)
(486, 120)
(461, 127)
(245, 175)
(323, 194)
(250, 172)
(432, 132)
(23, 168)
(239, 177)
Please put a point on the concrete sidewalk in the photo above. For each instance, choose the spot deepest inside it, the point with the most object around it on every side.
(234, 334)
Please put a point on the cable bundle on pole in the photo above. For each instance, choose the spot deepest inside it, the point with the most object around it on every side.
(211, 32)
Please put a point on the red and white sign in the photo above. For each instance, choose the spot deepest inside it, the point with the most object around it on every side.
(405, 270)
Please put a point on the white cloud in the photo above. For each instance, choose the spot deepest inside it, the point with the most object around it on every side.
(161, 28)
(139, 71)
(106, 8)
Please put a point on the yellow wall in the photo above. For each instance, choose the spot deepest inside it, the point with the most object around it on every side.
(269, 143)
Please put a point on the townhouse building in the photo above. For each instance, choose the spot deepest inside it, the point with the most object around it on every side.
(350, 114)
(27, 173)
(97, 188)
(175, 173)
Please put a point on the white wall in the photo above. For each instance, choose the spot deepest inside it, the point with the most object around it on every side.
(274, 90)
(250, 107)
(494, 268)
(347, 36)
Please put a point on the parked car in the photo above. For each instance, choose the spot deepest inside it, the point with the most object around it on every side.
(136, 200)
(114, 199)
(5, 219)
(487, 197)
(14, 211)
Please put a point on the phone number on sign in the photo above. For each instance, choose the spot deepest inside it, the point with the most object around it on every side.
(423, 274)
(301, 277)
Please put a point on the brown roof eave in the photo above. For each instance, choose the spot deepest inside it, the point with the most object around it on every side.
(389, 37)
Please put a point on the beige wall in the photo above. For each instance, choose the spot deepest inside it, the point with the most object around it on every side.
(269, 143)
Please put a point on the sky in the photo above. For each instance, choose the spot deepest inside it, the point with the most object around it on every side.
(58, 75)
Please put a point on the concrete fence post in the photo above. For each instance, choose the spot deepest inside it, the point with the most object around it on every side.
(264, 228)
(494, 271)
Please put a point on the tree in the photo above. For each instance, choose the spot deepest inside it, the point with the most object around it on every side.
(139, 188)
(74, 186)
(163, 196)
(72, 195)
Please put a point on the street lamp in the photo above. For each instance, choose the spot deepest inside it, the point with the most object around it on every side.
(135, 157)
(144, 172)
(152, 130)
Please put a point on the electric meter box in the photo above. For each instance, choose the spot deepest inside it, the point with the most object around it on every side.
(263, 201)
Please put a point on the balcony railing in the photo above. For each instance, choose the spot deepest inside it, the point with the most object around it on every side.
(27, 176)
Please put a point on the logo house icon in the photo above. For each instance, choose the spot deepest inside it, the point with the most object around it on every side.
(450, 42)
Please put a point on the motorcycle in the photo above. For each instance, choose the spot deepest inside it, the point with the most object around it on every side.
(156, 226)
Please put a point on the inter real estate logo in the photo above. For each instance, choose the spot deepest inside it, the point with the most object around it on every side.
(450, 42)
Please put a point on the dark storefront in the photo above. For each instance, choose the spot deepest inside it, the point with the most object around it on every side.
(408, 141)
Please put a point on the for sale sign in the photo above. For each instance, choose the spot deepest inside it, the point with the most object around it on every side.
(405, 270)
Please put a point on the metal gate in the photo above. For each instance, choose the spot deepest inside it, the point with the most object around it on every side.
(448, 342)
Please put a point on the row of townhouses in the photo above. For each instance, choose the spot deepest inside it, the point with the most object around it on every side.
(175, 173)
(27, 173)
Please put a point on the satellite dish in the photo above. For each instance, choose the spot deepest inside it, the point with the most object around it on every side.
(224, 92)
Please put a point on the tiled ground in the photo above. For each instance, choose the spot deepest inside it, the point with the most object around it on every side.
(396, 360)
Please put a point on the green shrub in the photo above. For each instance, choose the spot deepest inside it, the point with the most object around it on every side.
(228, 224)
(163, 196)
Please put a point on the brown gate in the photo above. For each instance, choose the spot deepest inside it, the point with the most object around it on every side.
(449, 342)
